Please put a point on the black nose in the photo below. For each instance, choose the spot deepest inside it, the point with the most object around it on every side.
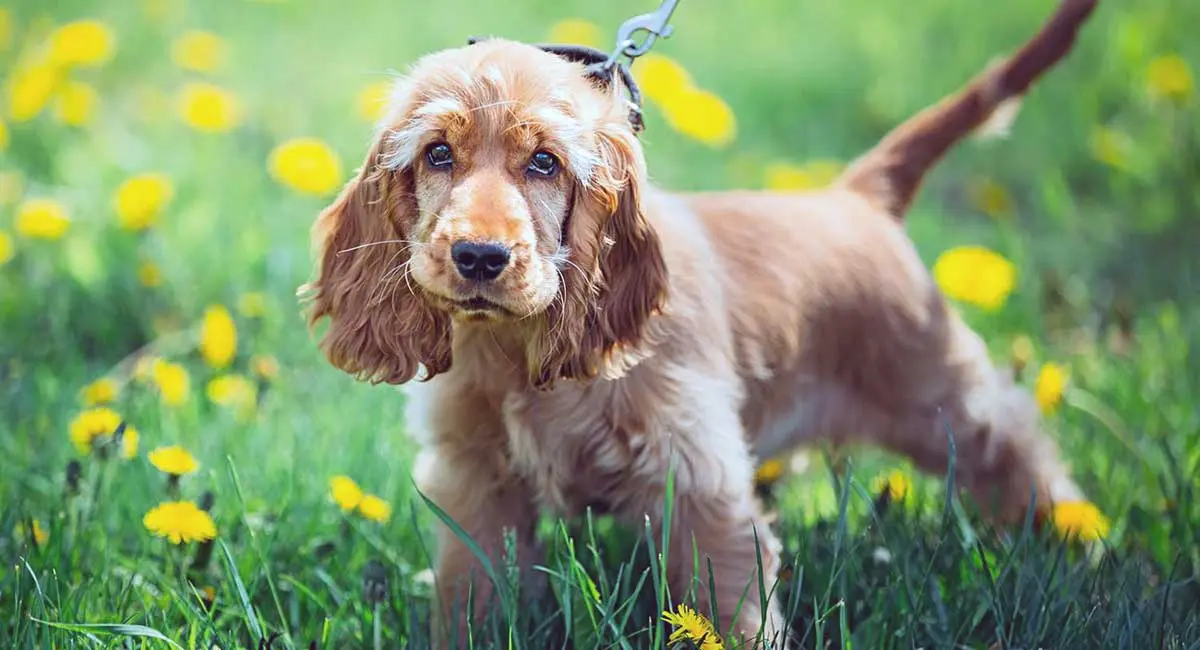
(479, 260)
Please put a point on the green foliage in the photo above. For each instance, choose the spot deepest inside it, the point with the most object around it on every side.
(1099, 196)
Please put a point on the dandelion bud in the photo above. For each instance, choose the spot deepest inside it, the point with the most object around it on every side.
(74, 473)
(374, 582)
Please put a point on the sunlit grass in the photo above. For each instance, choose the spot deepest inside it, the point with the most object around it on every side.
(161, 163)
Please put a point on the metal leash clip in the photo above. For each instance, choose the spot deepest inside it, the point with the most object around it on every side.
(654, 24)
(604, 68)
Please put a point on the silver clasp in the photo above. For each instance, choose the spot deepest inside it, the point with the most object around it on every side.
(654, 24)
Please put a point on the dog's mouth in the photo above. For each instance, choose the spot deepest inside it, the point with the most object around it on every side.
(478, 307)
(478, 303)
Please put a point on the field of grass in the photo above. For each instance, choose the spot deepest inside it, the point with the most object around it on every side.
(1094, 198)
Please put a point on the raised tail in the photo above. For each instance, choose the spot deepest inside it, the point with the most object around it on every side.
(890, 174)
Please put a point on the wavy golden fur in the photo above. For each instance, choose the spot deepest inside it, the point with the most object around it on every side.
(626, 329)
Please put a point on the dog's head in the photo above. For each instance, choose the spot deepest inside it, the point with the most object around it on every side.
(502, 190)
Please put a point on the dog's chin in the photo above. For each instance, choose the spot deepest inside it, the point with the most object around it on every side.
(477, 309)
(474, 304)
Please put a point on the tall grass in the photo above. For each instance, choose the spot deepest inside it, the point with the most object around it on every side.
(1099, 181)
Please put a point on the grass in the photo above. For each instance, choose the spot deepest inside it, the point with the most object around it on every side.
(1101, 184)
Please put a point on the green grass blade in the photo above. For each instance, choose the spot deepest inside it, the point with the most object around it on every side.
(244, 598)
(121, 629)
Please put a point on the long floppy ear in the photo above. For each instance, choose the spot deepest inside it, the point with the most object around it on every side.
(617, 280)
(379, 330)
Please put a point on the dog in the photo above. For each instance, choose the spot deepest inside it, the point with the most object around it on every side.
(567, 333)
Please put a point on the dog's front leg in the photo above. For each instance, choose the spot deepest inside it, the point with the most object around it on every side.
(715, 519)
(727, 529)
(486, 500)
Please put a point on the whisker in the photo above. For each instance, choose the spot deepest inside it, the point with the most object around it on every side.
(408, 278)
(380, 243)
(502, 102)
(383, 281)
(492, 332)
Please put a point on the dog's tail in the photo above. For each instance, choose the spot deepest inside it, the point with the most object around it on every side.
(890, 174)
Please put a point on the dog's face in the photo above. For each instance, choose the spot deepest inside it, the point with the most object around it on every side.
(501, 189)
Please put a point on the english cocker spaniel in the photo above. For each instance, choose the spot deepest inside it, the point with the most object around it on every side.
(583, 332)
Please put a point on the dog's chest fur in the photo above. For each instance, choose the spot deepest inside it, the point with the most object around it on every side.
(578, 448)
(574, 446)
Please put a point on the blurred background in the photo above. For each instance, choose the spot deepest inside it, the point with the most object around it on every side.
(162, 161)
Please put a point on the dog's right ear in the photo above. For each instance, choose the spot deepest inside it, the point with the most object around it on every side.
(379, 329)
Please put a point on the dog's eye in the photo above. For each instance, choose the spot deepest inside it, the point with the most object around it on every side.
(543, 163)
(439, 155)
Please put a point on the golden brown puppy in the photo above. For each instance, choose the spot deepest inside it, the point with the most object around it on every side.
(584, 331)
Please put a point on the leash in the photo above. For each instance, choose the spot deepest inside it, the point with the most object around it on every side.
(654, 24)
(605, 67)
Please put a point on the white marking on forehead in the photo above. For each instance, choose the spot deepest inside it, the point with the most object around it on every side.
(439, 106)
(397, 102)
(403, 145)
(405, 140)
(571, 134)
(494, 75)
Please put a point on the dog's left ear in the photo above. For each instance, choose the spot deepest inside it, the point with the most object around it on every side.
(379, 329)
(617, 280)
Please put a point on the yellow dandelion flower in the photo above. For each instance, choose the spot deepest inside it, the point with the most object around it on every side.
(990, 198)
(1111, 147)
(181, 522)
(139, 200)
(1022, 352)
(896, 483)
(233, 391)
(575, 31)
(218, 337)
(129, 443)
(693, 627)
(1169, 77)
(660, 77)
(11, 186)
(6, 29)
(42, 219)
(701, 115)
(1081, 520)
(173, 460)
(783, 176)
(84, 43)
(374, 508)
(306, 165)
(199, 51)
(6, 248)
(75, 103)
(149, 275)
(372, 100)
(769, 471)
(975, 275)
(345, 492)
(209, 108)
(265, 366)
(30, 89)
(101, 391)
(3, 135)
(96, 426)
(172, 380)
(252, 304)
(39, 534)
(1048, 388)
